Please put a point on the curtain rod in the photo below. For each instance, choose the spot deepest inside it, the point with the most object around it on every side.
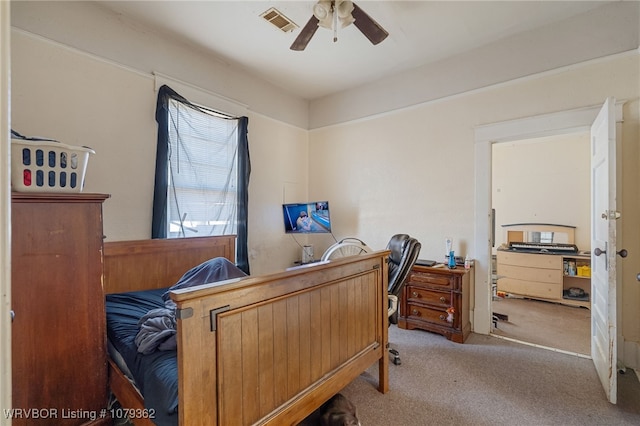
(158, 77)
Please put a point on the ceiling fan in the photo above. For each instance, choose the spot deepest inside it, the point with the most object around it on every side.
(339, 13)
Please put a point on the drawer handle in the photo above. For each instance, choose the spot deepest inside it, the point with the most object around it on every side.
(442, 318)
(414, 294)
(442, 299)
(415, 312)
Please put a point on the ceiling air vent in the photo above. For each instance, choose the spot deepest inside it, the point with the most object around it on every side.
(279, 20)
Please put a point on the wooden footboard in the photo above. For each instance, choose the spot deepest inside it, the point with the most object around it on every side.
(261, 350)
(271, 349)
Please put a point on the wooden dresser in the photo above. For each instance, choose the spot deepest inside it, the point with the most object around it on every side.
(59, 366)
(428, 293)
(540, 270)
(544, 276)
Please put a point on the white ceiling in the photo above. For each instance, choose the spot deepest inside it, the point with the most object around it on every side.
(420, 32)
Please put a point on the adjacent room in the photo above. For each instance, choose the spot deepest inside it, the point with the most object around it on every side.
(541, 184)
(292, 207)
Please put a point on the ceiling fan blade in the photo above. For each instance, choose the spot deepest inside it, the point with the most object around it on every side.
(370, 28)
(305, 35)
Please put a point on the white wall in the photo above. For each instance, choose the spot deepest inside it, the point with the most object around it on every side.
(610, 28)
(279, 174)
(89, 27)
(62, 93)
(544, 180)
(76, 99)
(413, 170)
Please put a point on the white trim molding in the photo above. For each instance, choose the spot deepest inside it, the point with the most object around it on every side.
(631, 354)
(201, 96)
(557, 123)
(5, 210)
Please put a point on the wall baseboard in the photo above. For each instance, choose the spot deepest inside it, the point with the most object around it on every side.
(631, 355)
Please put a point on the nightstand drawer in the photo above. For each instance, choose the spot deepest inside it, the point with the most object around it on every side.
(430, 279)
(424, 313)
(431, 297)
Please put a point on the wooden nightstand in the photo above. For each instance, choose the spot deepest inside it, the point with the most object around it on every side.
(427, 295)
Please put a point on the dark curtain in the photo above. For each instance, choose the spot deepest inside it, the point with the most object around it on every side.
(244, 171)
(159, 220)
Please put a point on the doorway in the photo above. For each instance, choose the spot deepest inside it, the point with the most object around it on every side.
(601, 121)
(542, 180)
(557, 123)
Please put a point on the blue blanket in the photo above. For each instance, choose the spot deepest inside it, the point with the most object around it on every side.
(158, 326)
(155, 374)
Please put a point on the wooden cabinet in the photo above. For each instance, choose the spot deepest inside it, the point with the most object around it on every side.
(427, 295)
(543, 276)
(59, 361)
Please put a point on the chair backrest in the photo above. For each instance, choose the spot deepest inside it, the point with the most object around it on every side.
(404, 253)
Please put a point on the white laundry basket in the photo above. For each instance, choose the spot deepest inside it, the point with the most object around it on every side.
(47, 166)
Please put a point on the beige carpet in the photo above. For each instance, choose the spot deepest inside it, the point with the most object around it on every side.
(547, 324)
(489, 382)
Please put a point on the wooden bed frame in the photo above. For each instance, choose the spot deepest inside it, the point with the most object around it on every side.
(261, 350)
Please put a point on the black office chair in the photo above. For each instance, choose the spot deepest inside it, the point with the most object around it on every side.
(404, 253)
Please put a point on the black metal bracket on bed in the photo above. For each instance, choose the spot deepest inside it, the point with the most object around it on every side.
(214, 313)
(184, 313)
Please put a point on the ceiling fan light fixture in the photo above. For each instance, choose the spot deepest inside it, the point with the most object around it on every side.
(323, 11)
(344, 9)
(345, 22)
(337, 14)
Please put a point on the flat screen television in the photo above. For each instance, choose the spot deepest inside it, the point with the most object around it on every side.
(306, 218)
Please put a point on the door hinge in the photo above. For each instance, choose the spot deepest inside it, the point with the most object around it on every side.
(610, 215)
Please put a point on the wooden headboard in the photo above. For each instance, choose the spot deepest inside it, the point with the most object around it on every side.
(159, 263)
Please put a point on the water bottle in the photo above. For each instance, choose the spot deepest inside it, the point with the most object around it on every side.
(452, 260)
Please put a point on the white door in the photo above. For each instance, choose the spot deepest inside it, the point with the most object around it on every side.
(603, 247)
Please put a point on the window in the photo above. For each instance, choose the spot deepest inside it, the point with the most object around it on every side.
(202, 170)
(202, 173)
